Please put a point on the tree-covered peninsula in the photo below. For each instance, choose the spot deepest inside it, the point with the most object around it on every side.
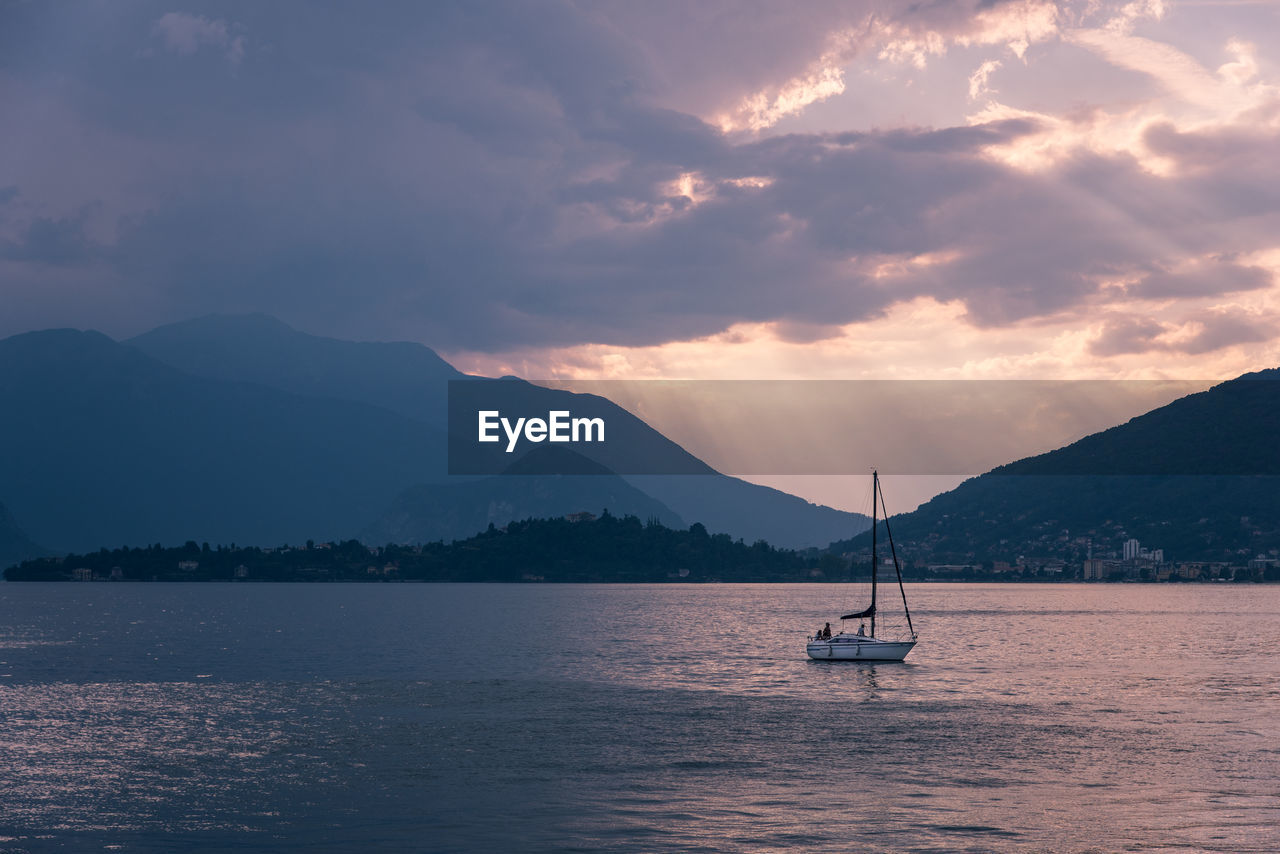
(579, 548)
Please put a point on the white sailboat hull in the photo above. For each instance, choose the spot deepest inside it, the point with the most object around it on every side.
(854, 648)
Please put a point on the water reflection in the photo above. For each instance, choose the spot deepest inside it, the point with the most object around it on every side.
(851, 680)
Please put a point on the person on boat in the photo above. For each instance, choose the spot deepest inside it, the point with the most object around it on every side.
(826, 632)
(862, 630)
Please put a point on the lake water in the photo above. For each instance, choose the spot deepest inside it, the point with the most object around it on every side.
(1059, 718)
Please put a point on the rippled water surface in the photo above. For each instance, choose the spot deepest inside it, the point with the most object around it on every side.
(151, 717)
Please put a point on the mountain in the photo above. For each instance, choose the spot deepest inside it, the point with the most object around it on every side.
(412, 381)
(1198, 478)
(15, 546)
(750, 511)
(455, 511)
(402, 377)
(102, 445)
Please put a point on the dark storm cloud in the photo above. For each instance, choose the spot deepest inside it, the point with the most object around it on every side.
(1232, 173)
(788, 251)
(1205, 280)
(1224, 328)
(1126, 335)
(492, 176)
(959, 138)
(1215, 329)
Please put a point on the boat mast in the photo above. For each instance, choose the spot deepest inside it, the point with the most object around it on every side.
(875, 487)
(896, 568)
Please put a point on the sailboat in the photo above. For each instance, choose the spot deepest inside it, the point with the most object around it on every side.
(864, 646)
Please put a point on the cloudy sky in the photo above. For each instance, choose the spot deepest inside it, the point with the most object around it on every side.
(660, 189)
(757, 190)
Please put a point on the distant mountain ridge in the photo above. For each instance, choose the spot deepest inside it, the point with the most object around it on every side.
(1198, 478)
(400, 376)
(104, 445)
(241, 429)
(725, 504)
(1229, 429)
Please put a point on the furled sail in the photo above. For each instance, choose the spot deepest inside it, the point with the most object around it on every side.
(861, 615)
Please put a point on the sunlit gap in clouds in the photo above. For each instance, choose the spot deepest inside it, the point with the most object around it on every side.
(919, 339)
